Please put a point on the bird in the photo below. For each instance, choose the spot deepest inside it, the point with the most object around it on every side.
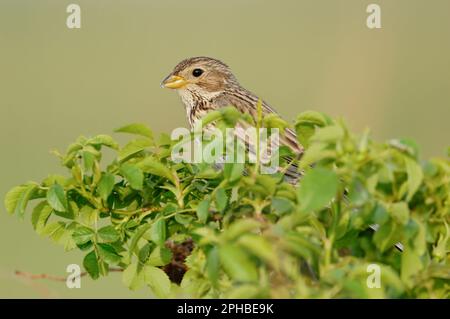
(206, 84)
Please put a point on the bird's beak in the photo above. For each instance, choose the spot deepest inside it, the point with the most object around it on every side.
(173, 82)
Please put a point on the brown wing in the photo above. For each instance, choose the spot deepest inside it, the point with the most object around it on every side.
(246, 102)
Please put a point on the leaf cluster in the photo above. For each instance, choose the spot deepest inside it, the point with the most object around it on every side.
(255, 235)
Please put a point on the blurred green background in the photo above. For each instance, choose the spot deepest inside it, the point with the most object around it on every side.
(57, 83)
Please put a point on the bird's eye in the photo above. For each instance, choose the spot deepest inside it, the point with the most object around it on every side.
(197, 72)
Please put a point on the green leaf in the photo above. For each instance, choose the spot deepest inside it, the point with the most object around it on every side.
(160, 256)
(400, 212)
(411, 265)
(88, 161)
(273, 120)
(157, 280)
(87, 215)
(282, 205)
(213, 265)
(405, 146)
(133, 174)
(158, 232)
(105, 140)
(233, 171)
(90, 263)
(137, 129)
(13, 196)
(53, 228)
(317, 189)
(415, 176)
(108, 254)
(133, 277)
(40, 216)
(313, 118)
(56, 198)
(133, 148)
(203, 210)
(237, 264)
(139, 233)
(240, 227)
(380, 215)
(386, 236)
(152, 166)
(328, 134)
(105, 185)
(144, 252)
(260, 247)
(108, 234)
(82, 235)
(221, 199)
(16, 200)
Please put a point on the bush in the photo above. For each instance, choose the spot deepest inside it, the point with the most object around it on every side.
(192, 230)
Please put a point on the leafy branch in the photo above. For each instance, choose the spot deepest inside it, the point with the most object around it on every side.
(193, 230)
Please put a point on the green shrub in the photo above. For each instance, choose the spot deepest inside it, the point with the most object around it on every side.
(245, 235)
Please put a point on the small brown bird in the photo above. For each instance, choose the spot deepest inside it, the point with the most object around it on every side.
(206, 84)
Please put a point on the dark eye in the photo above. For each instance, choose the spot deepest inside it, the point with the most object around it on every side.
(197, 72)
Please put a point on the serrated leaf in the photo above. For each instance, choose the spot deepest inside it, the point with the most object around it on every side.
(152, 166)
(399, 212)
(105, 140)
(139, 233)
(237, 264)
(317, 189)
(88, 160)
(16, 200)
(51, 229)
(160, 256)
(57, 198)
(213, 265)
(233, 171)
(386, 236)
(108, 254)
(313, 118)
(240, 227)
(260, 247)
(108, 234)
(410, 266)
(40, 216)
(133, 277)
(158, 232)
(133, 148)
(415, 176)
(105, 185)
(82, 235)
(137, 129)
(157, 280)
(203, 210)
(328, 134)
(282, 205)
(133, 175)
(90, 263)
(221, 199)
(87, 215)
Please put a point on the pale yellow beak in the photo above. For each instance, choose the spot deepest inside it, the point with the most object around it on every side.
(174, 82)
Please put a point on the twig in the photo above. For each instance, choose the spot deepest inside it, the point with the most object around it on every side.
(52, 277)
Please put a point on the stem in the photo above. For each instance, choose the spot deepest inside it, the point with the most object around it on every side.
(52, 277)
(329, 242)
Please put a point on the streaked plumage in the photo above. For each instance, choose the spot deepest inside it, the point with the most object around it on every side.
(205, 84)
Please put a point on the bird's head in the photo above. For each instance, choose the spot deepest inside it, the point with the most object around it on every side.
(200, 74)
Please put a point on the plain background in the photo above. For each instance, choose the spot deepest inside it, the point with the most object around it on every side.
(56, 84)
